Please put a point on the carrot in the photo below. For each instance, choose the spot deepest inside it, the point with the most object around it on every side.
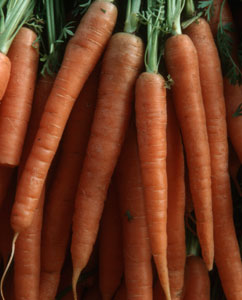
(110, 247)
(197, 284)
(225, 240)
(27, 258)
(60, 198)
(136, 247)
(176, 250)
(182, 64)
(81, 55)
(122, 62)
(16, 105)
(5, 69)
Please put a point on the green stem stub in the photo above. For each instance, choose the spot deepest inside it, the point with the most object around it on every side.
(174, 10)
(132, 16)
(17, 13)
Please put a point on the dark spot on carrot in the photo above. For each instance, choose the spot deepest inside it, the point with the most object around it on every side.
(103, 10)
(129, 216)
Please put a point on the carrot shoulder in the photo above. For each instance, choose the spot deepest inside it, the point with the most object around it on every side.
(225, 240)
(182, 64)
(5, 69)
(121, 64)
(151, 122)
(81, 55)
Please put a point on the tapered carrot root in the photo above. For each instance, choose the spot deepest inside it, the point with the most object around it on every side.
(197, 283)
(151, 122)
(5, 69)
(176, 251)
(16, 105)
(56, 233)
(225, 240)
(110, 247)
(136, 245)
(27, 258)
(182, 64)
(81, 55)
(122, 62)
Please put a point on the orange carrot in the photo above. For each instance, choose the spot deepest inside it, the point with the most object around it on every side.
(225, 240)
(16, 105)
(5, 70)
(27, 258)
(151, 121)
(197, 284)
(60, 198)
(176, 250)
(81, 55)
(121, 65)
(110, 247)
(136, 247)
(182, 64)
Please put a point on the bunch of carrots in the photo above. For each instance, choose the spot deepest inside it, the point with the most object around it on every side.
(120, 150)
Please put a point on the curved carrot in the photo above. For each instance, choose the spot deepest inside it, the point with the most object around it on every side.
(5, 69)
(61, 194)
(151, 122)
(122, 62)
(136, 247)
(176, 250)
(110, 247)
(225, 240)
(81, 55)
(197, 283)
(182, 64)
(15, 109)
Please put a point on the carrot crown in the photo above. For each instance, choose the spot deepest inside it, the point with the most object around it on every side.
(13, 14)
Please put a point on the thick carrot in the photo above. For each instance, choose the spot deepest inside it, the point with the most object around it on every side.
(151, 122)
(197, 284)
(121, 65)
(182, 64)
(60, 198)
(81, 55)
(27, 258)
(5, 69)
(176, 250)
(225, 240)
(110, 247)
(15, 109)
(136, 246)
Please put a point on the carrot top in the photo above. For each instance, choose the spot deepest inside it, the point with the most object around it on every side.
(13, 14)
(132, 16)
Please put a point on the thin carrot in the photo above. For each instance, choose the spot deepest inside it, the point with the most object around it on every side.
(136, 245)
(60, 198)
(110, 247)
(122, 62)
(182, 64)
(197, 283)
(176, 250)
(81, 55)
(225, 240)
(16, 105)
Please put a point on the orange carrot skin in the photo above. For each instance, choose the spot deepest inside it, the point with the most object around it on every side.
(136, 247)
(15, 109)
(151, 122)
(225, 240)
(27, 258)
(110, 247)
(176, 251)
(5, 70)
(197, 283)
(182, 64)
(81, 55)
(59, 206)
(122, 62)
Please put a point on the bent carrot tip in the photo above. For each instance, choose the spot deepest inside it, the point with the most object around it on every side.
(8, 264)
(75, 276)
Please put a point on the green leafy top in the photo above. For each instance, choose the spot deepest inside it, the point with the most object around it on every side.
(208, 8)
(132, 16)
(13, 14)
(174, 10)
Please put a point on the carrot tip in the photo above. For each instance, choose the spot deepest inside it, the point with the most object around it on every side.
(75, 276)
(9, 263)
